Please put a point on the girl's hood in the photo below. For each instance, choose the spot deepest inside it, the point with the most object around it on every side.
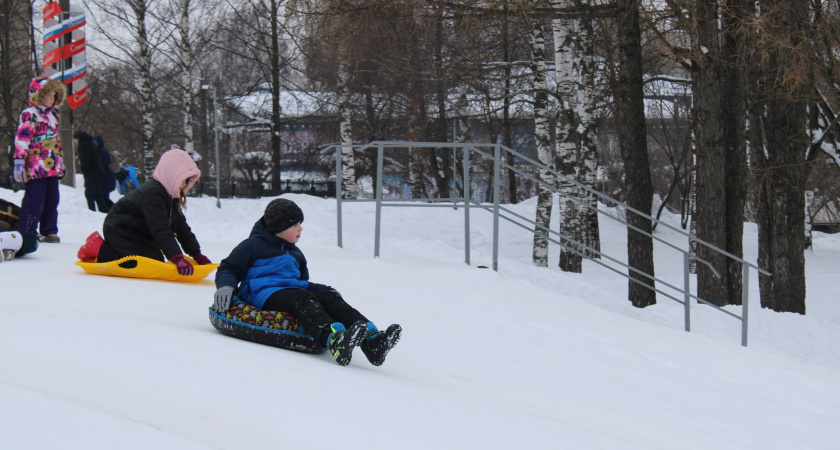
(174, 167)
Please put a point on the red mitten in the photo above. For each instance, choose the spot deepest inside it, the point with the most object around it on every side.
(184, 266)
(201, 259)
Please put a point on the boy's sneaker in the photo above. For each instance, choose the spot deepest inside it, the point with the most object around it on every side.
(341, 341)
(89, 251)
(51, 239)
(377, 344)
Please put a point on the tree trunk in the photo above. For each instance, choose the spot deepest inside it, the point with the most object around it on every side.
(567, 139)
(782, 167)
(735, 141)
(708, 88)
(542, 137)
(145, 67)
(507, 133)
(632, 136)
(348, 161)
(586, 107)
(276, 125)
(186, 75)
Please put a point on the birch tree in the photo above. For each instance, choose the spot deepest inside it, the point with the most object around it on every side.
(565, 43)
(131, 28)
(542, 138)
(186, 66)
(586, 113)
(348, 161)
(194, 22)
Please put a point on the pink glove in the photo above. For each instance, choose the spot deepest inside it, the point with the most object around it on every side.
(184, 266)
(201, 259)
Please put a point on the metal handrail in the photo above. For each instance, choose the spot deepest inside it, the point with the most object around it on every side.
(570, 244)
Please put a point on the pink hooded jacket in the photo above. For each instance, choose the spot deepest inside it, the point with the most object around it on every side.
(36, 138)
(174, 167)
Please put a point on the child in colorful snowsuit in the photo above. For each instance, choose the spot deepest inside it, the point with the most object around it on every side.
(270, 273)
(149, 221)
(38, 158)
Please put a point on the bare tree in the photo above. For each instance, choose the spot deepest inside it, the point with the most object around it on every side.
(542, 137)
(632, 136)
(784, 76)
(256, 36)
(134, 31)
(15, 68)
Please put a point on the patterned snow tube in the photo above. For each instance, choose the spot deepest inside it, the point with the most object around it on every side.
(277, 329)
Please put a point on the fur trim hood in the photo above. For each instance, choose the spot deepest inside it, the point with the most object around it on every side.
(174, 167)
(39, 87)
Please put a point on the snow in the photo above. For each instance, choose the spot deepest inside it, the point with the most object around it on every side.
(525, 357)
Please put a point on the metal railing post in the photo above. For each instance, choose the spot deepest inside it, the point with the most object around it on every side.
(497, 183)
(687, 290)
(338, 192)
(745, 303)
(380, 152)
(467, 200)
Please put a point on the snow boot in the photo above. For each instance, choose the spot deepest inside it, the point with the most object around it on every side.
(89, 251)
(7, 255)
(10, 243)
(377, 344)
(341, 341)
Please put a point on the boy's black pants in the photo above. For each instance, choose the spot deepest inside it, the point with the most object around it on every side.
(315, 310)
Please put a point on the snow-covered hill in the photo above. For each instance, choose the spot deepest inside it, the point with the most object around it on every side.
(521, 358)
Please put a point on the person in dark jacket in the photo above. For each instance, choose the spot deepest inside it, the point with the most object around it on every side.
(149, 221)
(110, 183)
(92, 170)
(270, 273)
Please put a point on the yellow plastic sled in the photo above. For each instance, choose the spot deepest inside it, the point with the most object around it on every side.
(147, 268)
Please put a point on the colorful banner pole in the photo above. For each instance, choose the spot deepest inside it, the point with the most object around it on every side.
(66, 61)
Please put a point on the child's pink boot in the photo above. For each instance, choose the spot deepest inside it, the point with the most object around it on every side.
(89, 251)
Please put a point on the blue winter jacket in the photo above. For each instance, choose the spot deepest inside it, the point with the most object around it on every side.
(262, 265)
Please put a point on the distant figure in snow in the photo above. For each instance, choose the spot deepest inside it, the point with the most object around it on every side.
(128, 176)
(92, 171)
(270, 274)
(149, 221)
(111, 167)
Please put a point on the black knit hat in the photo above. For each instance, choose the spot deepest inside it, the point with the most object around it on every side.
(280, 214)
(82, 136)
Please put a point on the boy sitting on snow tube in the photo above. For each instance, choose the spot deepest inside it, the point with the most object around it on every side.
(270, 273)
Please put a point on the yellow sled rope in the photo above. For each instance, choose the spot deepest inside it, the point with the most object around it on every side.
(148, 268)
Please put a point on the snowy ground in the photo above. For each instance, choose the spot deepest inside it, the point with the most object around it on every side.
(524, 357)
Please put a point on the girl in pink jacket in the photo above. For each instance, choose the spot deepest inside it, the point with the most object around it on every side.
(38, 158)
(149, 221)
